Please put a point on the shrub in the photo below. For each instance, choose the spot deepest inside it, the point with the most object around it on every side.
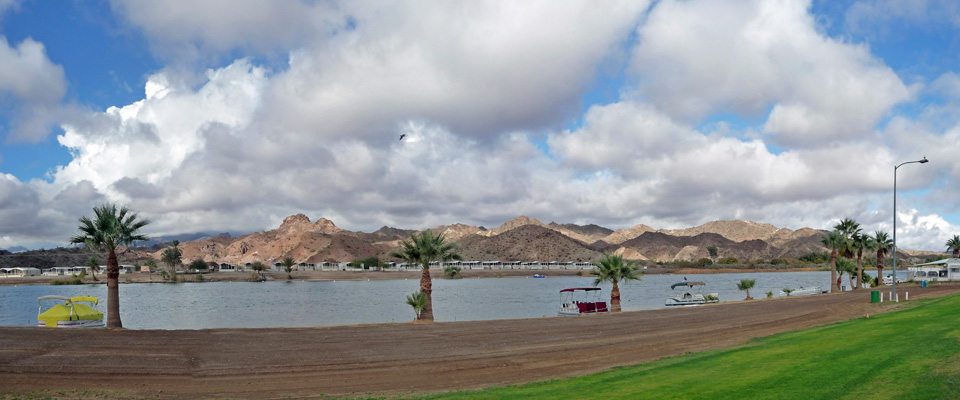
(451, 272)
(815, 257)
(703, 262)
(74, 280)
(727, 260)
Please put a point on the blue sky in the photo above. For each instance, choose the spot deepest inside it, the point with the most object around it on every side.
(229, 116)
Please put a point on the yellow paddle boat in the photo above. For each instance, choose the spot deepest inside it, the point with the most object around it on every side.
(74, 312)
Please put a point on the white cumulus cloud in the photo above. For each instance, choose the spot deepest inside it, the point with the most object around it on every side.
(696, 58)
(31, 87)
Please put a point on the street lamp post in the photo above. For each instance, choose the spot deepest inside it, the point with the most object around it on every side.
(893, 293)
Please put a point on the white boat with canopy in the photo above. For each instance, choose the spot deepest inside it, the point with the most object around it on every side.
(579, 301)
(688, 297)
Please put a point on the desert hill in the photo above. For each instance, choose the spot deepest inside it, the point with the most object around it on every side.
(526, 243)
(661, 246)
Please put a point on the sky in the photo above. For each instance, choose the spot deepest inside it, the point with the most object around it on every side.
(229, 115)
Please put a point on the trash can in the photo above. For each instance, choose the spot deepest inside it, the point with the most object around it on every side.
(875, 296)
(923, 283)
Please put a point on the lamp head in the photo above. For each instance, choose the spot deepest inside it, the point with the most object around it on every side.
(924, 160)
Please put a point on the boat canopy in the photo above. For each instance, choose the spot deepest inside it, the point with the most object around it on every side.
(687, 284)
(69, 300)
(580, 288)
(52, 297)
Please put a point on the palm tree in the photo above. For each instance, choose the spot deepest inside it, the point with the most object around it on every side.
(883, 244)
(954, 244)
(848, 228)
(108, 230)
(835, 242)
(93, 264)
(152, 265)
(172, 257)
(846, 266)
(745, 285)
(417, 300)
(422, 249)
(859, 242)
(288, 266)
(787, 291)
(612, 268)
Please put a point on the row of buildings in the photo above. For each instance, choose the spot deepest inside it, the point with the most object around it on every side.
(936, 271)
(388, 266)
(305, 266)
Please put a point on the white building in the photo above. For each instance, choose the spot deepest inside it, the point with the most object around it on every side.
(19, 271)
(57, 271)
(937, 271)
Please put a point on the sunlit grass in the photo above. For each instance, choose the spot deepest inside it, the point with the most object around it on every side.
(910, 354)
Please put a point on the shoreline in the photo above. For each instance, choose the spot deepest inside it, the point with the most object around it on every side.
(139, 277)
(396, 359)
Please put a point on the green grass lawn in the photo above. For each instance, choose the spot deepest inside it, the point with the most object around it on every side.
(910, 354)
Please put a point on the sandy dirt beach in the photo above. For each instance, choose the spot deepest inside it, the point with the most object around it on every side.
(395, 360)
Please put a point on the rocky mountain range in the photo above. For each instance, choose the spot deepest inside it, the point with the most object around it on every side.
(520, 239)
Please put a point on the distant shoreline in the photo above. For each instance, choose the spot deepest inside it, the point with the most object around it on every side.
(373, 275)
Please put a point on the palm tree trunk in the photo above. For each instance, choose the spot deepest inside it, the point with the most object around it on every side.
(880, 268)
(859, 270)
(833, 269)
(615, 298)
(426, 286)
(113, 291)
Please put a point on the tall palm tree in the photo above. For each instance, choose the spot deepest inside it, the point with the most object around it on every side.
(422, 249)
(848, 228)
(288, 266)
(954, 245)
(859, 242)
(612, 268)
(110, 229)
(745, 285)
(172, 256)
(883, 244)
(835, 242)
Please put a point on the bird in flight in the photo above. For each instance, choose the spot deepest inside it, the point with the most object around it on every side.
(403, 135)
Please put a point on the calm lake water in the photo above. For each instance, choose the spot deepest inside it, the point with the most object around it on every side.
(300, 304)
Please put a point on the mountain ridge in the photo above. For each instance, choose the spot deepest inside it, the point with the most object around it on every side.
(520, 239)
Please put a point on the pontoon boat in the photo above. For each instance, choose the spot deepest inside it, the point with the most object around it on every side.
(578, 301)
(687, 298)
(74, 312)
